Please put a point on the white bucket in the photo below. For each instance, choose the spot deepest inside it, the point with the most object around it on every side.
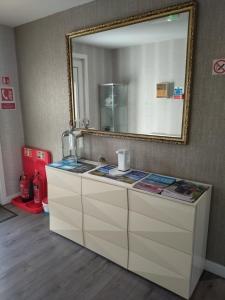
(45, 207)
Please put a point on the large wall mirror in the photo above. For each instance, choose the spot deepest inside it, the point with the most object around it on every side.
(132, 77)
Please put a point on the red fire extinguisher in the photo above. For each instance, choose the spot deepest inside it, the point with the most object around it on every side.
(38, 189)
(25, 188)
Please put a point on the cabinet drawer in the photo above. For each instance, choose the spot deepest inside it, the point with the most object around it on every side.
(64, 197)
(106, 213)
(68, 215)
(159, 275)
(66, 230)
(171, 212)
(65, 181)
(107, 249)
(107, 193)
(160, 232)
(163, 265)
(66, 222)
(170, 259)
(105, 231)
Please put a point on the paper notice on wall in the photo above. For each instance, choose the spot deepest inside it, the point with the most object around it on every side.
(8, 105)
(7, 98)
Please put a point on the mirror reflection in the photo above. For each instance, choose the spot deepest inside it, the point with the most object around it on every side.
(132, 79)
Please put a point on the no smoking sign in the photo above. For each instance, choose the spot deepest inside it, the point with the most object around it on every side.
(218, 67)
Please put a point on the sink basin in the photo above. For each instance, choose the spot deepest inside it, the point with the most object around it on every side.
(72, 166)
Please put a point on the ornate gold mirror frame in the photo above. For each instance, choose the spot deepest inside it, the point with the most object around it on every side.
(175, 9)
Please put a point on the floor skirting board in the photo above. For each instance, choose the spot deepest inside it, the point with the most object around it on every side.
(215, 268)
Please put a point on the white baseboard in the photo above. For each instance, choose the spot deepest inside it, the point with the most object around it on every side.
(8, 199)
(215, 268)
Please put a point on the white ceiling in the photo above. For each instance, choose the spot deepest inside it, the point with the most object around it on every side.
(138, 34)
(17, 12)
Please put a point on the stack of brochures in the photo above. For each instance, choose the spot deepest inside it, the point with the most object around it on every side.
(154, 183)
(184, 190)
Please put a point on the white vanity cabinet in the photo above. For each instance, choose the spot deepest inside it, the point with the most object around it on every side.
(159, 238)
(65, 206)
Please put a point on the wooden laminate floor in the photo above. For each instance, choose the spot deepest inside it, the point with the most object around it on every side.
(36, 264)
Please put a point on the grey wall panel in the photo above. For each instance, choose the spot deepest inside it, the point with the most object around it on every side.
(11, 127)
(42, 64)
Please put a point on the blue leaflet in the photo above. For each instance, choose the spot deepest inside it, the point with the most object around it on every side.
(160, 179)
(136, 175)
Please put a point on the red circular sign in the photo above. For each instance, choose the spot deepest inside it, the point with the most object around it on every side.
(219, 66)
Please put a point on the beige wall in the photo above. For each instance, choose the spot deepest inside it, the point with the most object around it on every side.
(11, 128)
(151, 115)
(43, 75)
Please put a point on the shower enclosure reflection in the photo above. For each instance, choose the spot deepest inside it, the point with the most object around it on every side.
(113, 107)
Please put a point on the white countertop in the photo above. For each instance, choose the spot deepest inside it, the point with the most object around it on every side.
(129, 186)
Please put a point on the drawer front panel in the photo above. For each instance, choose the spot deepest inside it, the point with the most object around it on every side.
(107, 193)
(67, 230)
(68, 215)
(158, 274)
(168, 258)
(105, 231)
(174, 213)
(66, 221)
(64, 197)
(158, 231)
(107, 249)
(107, 213)
(63, 180)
